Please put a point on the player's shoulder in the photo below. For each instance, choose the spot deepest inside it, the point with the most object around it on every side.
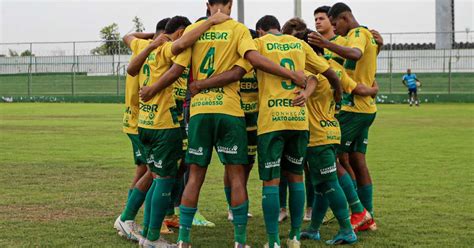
(360, 31)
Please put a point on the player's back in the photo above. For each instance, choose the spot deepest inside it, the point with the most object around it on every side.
(215, 52)
(362, 71)
(276, 93)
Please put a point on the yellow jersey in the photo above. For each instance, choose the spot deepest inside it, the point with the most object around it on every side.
(362, 71)
(323, 125)
(275, 94)
(338, 40)
(158, 112)
(181, 86)
(249, 92)
(215, 52)
(132, 87)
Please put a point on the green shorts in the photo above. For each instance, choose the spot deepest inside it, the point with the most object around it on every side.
(138, 149)
(354, 131)
(251, 122)
(163, 149)
(285, 148)
(223, 132)
(321, 163)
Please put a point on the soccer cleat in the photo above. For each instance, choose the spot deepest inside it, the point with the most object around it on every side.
(160, 243)
(129, 229)
(274, 246)
(141, 241)
(172, 221)
(369, 226)
(311, 235)
(237, 245)
(249, 215)
(359, 219)
(342, 238)
(293, 243)
(283, 215)
(165, 230)
(116, 223)
(200, 220)
(328, 218)
(307, 214)
(181, 244)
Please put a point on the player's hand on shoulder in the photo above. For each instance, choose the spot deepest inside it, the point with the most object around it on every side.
(377, 37)
(146, 93)
(315, 38)
(219, 18)
(160, 40)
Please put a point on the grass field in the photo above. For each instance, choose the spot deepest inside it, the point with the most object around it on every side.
(61, 84)
(65, 170)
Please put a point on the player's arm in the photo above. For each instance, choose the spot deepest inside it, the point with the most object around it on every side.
(136, 64)
(167, 79)
(335, 83)
(189, 38)
(260, 62)
(378, 39)
(127, 39)
(304, 94)
(363, 90)
(346, 52)
(404, 81)
(220, 80)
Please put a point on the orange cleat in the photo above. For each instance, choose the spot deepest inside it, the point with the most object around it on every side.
(359, 219)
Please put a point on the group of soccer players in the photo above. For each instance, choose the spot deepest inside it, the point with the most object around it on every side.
(302, 100)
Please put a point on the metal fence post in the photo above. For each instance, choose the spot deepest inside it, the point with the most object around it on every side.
(390, 62)
(449, 72)
(118, 69)
(73, 81)
(30, 71)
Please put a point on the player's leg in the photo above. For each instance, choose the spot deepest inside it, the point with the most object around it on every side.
(270, 150)
(415, 94)
(293, 159)
(309, 194)
(198, 157)
(410, 97)
(164, 158)
(232, 149)
(283, 193)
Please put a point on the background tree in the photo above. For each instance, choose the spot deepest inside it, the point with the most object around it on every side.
(113, 43)
(138, 24)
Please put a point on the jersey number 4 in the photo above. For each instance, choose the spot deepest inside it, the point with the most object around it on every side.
(207, 65)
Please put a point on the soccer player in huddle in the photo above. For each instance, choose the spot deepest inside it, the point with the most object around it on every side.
(358, 112)
(125, 223)
(159, 128)
(217, 119)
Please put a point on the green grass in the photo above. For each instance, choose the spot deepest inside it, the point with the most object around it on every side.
(61, 84)
(65, 170)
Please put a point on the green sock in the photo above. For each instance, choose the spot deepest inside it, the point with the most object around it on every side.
(147, 212)
(240, 222)
(309, 190)
(185, 223)
(283, 191)
(129, 193)
(271, 210)
(354, 182)
(296, 200)
(351, 194)
(338, 203)
(174, 195)
(365, 194)
(160, 202)
(227, 195)
(320, 207)
(133, 205)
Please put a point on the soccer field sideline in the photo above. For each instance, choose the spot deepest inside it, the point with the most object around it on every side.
(71, 173)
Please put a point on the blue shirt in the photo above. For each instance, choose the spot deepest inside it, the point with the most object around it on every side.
(411, 80)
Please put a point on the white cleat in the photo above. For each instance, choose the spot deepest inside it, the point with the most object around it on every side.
(237, 245)
(283, 215)
(116, 223)
(128, 229)
(293, 243)
(181, 244)
(230, 216)
(160, 243)
(274, 246)
(249, 215)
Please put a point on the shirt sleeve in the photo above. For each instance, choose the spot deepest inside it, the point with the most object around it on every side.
(244, 64)
(358, 39)
(184, 58)
(314, 63)
(134, 46)
(347, 83)
(245, 42)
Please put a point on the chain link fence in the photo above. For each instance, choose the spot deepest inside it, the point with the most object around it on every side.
(75, 68)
